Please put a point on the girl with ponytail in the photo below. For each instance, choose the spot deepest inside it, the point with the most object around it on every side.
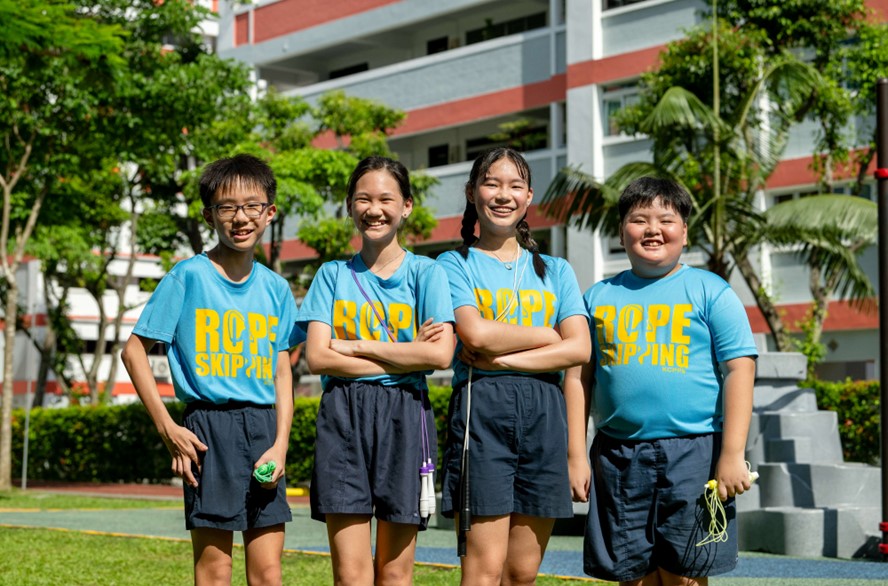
(520, 321)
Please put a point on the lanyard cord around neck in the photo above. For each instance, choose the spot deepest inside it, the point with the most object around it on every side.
(382, 322)
(465, 513)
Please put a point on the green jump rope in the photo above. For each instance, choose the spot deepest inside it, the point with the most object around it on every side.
(264, 472)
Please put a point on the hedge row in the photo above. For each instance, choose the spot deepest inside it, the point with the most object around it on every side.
(857, 405)
(119, 443)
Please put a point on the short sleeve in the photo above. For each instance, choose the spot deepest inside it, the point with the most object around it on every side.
(570, 298)
(729, 327)
(317, 305)
(160, 317)
(457, 272)
(434, 297)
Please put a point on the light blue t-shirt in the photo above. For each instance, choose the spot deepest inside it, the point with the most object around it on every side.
(656, 348)
(223, 337)
(484, 282)
(417, 291)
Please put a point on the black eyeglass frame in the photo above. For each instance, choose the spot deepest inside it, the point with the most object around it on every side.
(228, 216)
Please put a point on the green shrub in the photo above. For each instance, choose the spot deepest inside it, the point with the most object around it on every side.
(856, 404)
(119, 443)
(300, 454)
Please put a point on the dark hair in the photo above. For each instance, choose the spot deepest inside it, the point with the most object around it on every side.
(376, 163)
(643, 191)
(238, 171)
(470, 216)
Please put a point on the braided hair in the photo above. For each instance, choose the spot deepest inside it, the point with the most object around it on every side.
(470, 216)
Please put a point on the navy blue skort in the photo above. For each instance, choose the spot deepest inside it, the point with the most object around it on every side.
(517, 448)
(647, 509)
(227, 496)
(369, 449)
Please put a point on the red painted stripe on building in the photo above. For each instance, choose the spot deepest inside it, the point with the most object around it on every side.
(290, 16)
(468, 110)
(623, 66)
(242, 29)
(841, 316)
(21, 387)
(793, 172)
(881, 8)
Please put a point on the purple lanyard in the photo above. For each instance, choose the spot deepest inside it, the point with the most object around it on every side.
(382, 322)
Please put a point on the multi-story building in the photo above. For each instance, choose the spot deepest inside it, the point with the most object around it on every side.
(460, 69)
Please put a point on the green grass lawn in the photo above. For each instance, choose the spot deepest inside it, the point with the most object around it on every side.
(36, 557)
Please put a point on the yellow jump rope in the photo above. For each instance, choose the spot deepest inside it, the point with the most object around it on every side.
(718, 519)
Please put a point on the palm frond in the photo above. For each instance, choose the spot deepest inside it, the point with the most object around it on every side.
(680, 108)
(829, 232)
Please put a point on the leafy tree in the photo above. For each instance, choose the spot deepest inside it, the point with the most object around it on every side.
(55, 69)
(719, 110)
(312, 180)
(140, 141)
(845, 45)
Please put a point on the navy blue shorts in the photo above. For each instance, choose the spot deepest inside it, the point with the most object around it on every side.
(647, 510)
(227, 496)
(369, 450)
(517, 448)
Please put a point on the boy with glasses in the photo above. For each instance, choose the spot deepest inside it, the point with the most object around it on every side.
(228, 323)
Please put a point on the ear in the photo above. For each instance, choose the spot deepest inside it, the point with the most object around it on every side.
(470, 195)
(208, 217)
(270, 212)
(529, 197)
(408, 208)
(684, 234)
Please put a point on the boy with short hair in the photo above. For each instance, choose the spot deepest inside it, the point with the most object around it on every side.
(228, 323)
(673, 371)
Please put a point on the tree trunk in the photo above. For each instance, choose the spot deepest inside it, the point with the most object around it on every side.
(765, 304)
(8, 354)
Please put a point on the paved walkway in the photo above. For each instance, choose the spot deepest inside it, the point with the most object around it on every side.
(437, 545)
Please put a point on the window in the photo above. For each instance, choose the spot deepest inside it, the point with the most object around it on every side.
(439, 155)
(523, 135)
(615, 98)
(350, 70)
(509, 27)
(610, 4)
(438, 45)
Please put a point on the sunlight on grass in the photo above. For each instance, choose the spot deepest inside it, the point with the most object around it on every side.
(43, 500)
(74, 558)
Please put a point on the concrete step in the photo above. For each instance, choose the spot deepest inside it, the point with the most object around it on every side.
(794, 437)
(818, 485)
(817, 532)
(780, 395)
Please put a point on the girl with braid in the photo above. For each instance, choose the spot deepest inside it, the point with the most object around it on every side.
(520, 321)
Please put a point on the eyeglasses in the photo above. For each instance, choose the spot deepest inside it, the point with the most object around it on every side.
(227, 211)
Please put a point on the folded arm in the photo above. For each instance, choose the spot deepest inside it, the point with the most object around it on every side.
(572, 349)
(495, 337)
(432, 349)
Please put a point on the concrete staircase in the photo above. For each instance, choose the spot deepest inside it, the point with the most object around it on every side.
(808, 501)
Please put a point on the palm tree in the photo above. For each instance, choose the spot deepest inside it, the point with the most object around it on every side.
(723, 154)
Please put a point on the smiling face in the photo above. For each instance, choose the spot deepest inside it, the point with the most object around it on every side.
(501, 198)
(239, 233)
(377, 207)
(654, 238)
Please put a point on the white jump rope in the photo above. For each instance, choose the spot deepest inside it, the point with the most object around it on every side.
(465, 512)
(427, 467)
